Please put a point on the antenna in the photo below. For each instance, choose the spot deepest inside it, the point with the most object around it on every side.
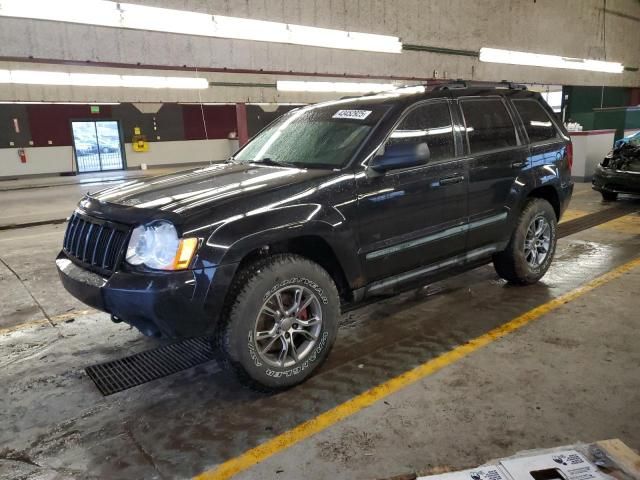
(204, 123)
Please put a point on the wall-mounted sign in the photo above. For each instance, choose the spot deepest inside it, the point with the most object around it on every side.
(95, 109)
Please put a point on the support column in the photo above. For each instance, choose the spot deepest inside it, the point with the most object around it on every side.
(241, 124)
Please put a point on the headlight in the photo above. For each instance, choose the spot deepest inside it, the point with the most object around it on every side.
(157, 246)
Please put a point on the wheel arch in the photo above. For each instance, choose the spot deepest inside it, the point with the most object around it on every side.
(548, 193)
(310, 246)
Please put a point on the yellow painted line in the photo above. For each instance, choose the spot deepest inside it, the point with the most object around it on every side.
(43, 321)
(628, 224)
(356, 404)
(572, 214)
(584, 192)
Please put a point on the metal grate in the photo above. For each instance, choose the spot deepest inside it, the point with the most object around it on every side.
(124, 373)
(592, 220)
(96, 244)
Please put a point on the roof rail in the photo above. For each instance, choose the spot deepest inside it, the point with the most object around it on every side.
(455, 84)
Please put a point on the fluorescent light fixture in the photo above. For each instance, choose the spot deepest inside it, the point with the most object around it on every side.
(37, 77)
(28, 77)
(332, 87)
(18, 102)
(496, 55)
(141, 17)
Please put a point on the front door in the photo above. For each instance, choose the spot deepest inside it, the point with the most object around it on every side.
(415, 216)
(97, 145)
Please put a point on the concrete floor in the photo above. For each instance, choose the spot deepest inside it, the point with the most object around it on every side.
(42, 198)
(569, 376)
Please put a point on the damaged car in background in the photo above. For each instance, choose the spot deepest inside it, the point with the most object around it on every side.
(619, 172)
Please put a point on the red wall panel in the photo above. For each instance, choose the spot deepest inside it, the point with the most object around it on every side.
(53, 122)
(219, 119)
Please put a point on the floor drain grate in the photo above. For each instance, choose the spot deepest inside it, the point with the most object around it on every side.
(592, 220)
(118, 375)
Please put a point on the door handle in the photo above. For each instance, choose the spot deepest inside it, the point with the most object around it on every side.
(451, 180)
(518, 164)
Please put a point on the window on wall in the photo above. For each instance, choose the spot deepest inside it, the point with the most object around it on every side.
(488, 124)
(431, 124)
(536, 121)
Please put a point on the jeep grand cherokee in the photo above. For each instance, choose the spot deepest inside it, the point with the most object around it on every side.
(329, 205)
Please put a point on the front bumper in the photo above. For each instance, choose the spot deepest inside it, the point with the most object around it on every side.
(177, 304)
(615, 181)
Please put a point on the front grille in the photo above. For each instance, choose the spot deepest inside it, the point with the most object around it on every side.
(94, 243)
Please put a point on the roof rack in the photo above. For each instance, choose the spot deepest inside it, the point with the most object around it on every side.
(455, 84)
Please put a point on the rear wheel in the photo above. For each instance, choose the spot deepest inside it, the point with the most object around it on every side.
(532, 246)
(609, 196)
(281, 322)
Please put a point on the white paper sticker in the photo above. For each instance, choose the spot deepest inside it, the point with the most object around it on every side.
(352, 114)
(572, 464)
(488, 472)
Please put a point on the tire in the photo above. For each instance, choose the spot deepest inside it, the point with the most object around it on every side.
(525, 264)
(609, 196)
(254, 311)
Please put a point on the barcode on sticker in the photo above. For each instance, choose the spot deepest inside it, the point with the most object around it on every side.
(353, 114)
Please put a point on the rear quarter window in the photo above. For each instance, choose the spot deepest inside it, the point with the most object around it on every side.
(488, 124)
(536, 120)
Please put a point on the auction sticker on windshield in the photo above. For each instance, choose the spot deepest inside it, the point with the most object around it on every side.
(353, 114)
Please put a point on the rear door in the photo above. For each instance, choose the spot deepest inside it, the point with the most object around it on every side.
(415, 216)
(497, 157)
(546, 147)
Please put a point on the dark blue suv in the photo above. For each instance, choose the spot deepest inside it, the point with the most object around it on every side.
(329, 205)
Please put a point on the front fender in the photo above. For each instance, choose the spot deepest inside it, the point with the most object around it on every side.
(232, 241)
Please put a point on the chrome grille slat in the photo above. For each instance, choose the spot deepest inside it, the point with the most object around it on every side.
(97, 244)
(86, 242)
(75, 248)
(106, 250)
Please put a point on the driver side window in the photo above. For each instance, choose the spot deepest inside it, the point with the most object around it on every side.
(430, 123)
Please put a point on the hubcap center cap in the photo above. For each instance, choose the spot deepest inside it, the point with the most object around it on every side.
(286, 323)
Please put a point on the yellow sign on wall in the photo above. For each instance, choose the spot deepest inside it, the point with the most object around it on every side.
(139, 141)
(140, 144)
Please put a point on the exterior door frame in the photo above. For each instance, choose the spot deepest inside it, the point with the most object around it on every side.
(120, 137)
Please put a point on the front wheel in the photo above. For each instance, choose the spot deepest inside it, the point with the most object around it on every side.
(609, 196)
(281, 322)
(532, 246)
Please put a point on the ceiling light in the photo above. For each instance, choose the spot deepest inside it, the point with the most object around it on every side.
(18, 102)
(37, 77)
(496, 55)
(333, 87)
(141, 17)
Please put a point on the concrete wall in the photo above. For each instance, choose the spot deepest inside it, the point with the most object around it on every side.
(53, 160)
(40, 160)
(192, 151)
(569, 28)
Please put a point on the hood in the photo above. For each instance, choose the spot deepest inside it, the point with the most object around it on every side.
(188, 190)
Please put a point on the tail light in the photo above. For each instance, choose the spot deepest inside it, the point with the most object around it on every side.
(570, 155)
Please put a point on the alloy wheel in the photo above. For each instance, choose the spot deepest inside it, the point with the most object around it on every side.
(288, 326)
(537, 242)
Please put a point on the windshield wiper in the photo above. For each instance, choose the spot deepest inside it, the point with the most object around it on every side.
(272, 162)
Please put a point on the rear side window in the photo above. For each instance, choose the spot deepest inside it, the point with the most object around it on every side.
(488, 123)
(430, 123)
(536, 121)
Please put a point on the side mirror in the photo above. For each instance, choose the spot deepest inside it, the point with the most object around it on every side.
(400, 155)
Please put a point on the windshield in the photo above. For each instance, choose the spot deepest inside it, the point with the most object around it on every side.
(314, 137)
